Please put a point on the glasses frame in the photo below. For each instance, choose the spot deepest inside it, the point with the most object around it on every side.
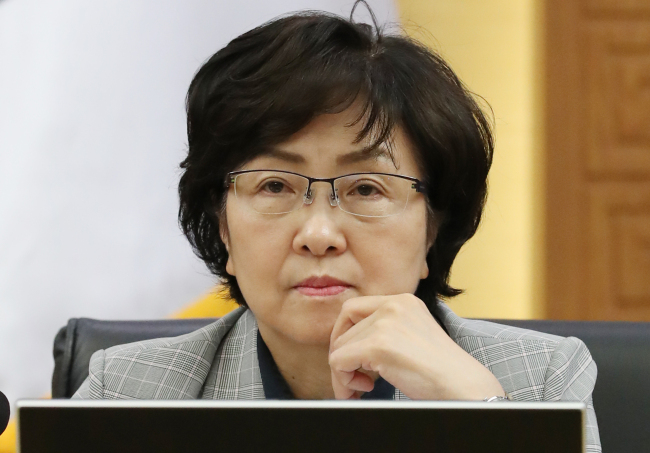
(418, 185)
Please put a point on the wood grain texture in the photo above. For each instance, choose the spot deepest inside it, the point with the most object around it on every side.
(598, 159)
(619, 250)
(616, 64)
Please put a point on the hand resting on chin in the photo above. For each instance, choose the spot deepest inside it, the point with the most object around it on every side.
(397, 338)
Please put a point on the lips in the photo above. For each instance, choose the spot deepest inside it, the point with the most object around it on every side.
(321, 286)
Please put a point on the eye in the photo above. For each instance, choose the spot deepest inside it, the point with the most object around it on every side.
(365, 190)
(274, 186)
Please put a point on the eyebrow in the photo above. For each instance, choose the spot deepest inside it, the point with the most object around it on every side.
(361, 155)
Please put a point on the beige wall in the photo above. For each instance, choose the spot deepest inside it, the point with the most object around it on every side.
(495, 48)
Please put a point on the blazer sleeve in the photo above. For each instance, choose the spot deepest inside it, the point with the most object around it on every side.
(93, 387)
(571, 376)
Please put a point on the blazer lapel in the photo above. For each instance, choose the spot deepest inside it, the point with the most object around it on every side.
(235, 372)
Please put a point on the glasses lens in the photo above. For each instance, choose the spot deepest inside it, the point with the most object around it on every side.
(271, 192)
(373, 195)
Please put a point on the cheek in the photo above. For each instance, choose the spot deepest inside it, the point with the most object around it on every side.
(391, 254)
(259, 249)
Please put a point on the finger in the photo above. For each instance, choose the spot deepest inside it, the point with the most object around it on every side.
(361, 382)
(356, 396)
(341, 392)
(358, 383)
(345, 364)
(356, 332)
(354, 311)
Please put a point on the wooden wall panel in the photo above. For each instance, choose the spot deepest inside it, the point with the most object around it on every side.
(619, 245)
(598, 166)
(616, 63)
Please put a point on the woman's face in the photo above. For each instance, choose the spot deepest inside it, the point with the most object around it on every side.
(274, 256)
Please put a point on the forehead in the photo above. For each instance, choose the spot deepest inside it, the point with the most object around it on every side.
(328, 146)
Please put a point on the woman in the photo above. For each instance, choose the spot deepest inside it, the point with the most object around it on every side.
(333, 174)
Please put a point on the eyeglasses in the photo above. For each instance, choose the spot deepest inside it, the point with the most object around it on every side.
(361, 194)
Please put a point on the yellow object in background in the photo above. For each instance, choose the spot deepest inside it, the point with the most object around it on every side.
(8, 438)
(213, 305)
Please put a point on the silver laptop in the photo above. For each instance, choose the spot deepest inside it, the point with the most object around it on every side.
(299, 426)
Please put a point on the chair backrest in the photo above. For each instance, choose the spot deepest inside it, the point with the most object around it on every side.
(621, 351)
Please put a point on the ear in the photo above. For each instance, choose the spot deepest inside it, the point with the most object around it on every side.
(230, 266)
(424, 272)
(225, 238)
(432, 232)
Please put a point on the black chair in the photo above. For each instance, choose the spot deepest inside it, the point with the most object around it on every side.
(621, 351)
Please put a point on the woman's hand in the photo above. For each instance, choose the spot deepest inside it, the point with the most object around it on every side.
(398, 338)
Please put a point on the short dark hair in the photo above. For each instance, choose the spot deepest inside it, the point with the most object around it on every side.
(272, 81)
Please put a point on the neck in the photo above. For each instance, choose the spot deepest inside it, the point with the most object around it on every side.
(304, 367)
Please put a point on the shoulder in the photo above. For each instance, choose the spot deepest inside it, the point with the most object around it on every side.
(530, 365)
(459, 327)
(211, 334)
(162, 368)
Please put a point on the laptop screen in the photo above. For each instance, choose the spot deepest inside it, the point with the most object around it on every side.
(299, 426)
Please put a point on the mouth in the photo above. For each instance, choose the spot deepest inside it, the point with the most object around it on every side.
(321, 286)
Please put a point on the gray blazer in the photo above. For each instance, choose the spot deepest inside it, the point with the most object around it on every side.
(219, 361)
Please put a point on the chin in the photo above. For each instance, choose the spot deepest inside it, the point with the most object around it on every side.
(312, 333)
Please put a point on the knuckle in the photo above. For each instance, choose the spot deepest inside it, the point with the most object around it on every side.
(392, 308)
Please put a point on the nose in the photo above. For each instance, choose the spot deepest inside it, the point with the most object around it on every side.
(319, 232)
